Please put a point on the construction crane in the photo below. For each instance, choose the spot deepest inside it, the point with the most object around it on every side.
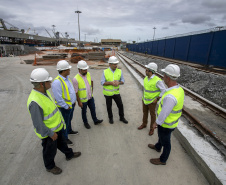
(48, 33)
(27, 30)
(12, 28)
(62, 35)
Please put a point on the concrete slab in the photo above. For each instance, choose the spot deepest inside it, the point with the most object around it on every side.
(111, 154)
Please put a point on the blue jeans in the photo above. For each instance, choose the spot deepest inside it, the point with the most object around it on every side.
(164, 135)
(67, 115)
(91, 104)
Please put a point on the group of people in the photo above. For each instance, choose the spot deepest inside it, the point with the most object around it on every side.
(52, 119)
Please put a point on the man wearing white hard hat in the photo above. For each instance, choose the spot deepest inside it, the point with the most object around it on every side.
(47, 120)
(65, 97)
(154, 88)
(83, 86)
(168, 114)
(110, 80)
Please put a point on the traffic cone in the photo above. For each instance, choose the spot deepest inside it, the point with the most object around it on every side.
(35, 63)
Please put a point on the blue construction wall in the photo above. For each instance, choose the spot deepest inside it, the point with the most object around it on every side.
(205, 49)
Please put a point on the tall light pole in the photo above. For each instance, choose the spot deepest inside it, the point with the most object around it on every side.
(154, 33)
(78, 12)
(54, 33)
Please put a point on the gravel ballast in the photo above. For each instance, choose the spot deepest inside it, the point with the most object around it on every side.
(209, 86)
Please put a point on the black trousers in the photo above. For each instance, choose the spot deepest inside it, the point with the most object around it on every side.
(50, 149)
(118, 101)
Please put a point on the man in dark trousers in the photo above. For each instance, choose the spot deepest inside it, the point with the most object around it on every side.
(65, 97)
(168, 114)
(83, 86)
(47, 120)
(111, 79)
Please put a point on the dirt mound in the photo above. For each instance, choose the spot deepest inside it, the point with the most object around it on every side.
(75, 59)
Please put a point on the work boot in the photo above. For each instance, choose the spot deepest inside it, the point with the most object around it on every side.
(124, 120)
(55, 170)
(111, 121)
(73, 132)
(87, 125)
(76, 154)
(157, 161)
(141, 127)
(98, 122)
(151, 132)
(69, 142)
(153, 147)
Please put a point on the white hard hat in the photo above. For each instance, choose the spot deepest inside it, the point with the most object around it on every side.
(82, 65)
(63, 65)
(113, 60)
(172, 70)
(152, 66)
(40, 75)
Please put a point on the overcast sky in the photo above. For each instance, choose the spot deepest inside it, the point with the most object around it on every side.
(128, 20)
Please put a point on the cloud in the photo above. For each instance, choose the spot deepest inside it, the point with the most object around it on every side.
(173, 24)
(165, 28)
(196, 19)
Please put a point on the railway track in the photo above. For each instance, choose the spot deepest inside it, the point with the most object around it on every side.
(194, 121)
(196, 66)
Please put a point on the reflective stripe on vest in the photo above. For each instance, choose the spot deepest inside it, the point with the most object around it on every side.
(52, 116)
(82, 89)
(65, 92)
(151, 92)
(173, 118)
(110, 90)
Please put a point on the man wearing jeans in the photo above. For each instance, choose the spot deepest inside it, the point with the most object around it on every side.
(168, 114)
(65, 97)
(83, 86)
(111, 79)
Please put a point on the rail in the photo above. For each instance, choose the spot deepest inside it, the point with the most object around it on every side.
(214, 139)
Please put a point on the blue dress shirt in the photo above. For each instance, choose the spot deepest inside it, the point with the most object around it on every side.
(57, 91)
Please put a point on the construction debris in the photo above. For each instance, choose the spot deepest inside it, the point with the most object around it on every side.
(96, 55)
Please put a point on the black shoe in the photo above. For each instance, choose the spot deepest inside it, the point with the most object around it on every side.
(124, 120)
(74, 132)
(76, 154)
(98, 122)
(69, 142)
(55, 170)
(111, 121)
(87, 125)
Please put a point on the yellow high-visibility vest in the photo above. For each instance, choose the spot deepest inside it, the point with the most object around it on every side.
(65, 91)
(151, 92)
(110, 90)
(52, 116)
(82, 89)
(173, 118)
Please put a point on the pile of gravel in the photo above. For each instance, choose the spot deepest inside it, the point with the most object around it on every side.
(209, 86)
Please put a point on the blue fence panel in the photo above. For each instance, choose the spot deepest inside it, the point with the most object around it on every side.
(142, 47)
(146, 47)
(199, 48)
(149, 45)
(155, 48)
(218, 50)
(169, 48)
(181, 48)
(161, 48)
